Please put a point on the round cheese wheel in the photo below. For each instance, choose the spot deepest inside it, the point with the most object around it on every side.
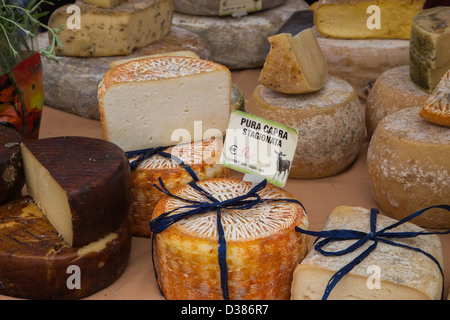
(330, 123)
(37, 263)
(12, 178)
(262, 245)
(212, 7)
(201, 156)
(408, 162)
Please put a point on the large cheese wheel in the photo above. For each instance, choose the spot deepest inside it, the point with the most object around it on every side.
(392, 91)
(12, 178)
(37, 263)
(83, 185)
(212, 7)
(404, 274)
(201, 156)
(263, 247)
(330, 123)
(409, 167)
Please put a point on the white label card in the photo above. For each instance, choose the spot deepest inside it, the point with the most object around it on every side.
(258, 146)
(228, 7)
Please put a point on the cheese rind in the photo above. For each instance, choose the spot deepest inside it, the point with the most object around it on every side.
(263, 247)
(437, 107)
(82, 185)
(111, 32)
(105, 3)
(212, 7)
(197, 93)
(404, 274)
(294, 65)
(350, 19)
(409, 167)
(186, 53)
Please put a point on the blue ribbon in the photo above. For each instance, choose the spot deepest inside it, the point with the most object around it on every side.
(243, 202)
(329, 236)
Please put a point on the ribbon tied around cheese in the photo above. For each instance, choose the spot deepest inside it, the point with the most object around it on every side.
(327, 236)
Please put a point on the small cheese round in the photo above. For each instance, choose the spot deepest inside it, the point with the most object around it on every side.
(392, 91)
(330, 123)
(409, 167)
(37, 263)
(212, 7)
(201, 156)
(263, 247)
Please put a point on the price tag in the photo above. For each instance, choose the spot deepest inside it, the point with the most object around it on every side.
(228, 7)
(257, 146)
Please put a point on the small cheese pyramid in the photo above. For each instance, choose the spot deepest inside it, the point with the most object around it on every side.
(437, 108)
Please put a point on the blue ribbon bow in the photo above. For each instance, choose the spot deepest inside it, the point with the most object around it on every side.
(361, 238)
(243, 202)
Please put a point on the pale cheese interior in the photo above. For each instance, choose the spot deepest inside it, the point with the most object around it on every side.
(48, 195)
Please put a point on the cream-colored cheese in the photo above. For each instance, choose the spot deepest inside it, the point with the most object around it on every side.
(104, 3)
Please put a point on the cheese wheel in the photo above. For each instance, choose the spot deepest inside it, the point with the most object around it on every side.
(82, 185)
(12, 178)
(212, 7)
(37, 263)
(263, 247)
(330, 123)
(201, 156)
(392, 91)
(408, 161)
(361, 62)
(404, 274)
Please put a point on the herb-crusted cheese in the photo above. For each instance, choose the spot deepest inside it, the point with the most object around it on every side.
(117, 31)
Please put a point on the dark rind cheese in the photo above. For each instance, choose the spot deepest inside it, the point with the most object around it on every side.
(212, 7)
(36, 262)
(95, 175)
(12, 178)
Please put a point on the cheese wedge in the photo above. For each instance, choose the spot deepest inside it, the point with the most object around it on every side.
(294, 65)
(163, 101)
(437, 108)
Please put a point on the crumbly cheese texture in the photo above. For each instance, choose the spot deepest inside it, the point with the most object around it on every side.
(113, 31)
(393, 90)
(201, 156)
(430, 47)
(404, 274)
(294, 65)
(349, 19)
(104, 3)
(330, 123)
(263, 247)
(437, 107)
(409, 167)
(135, 99)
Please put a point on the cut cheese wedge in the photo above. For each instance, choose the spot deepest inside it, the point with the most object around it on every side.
(163, 101)
(263, 247)
(294, 64)
(437, 108)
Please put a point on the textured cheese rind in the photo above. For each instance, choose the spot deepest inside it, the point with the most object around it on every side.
(186, 53)
(35, 259)
(104, 3)
(405, 274)
(437, 107)
(409, 167)
(330, 123)
(263, 247)
(349, 19)
(294, 65)
(392, 91)
(212, 7)
(201, 156)
(193, 90)
(110, 32)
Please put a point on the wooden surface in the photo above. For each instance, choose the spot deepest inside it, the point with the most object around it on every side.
(319, 197)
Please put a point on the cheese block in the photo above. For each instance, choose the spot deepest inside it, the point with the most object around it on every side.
(201, 156)
(197, 92)
(393, 90)
(408, 161)
(437, 107)
(361, 61)
(110, 32)
(37, 263)
(403, 274)
(262, 245)
(12, 178)
(82, 185)
(430, 47)
(355, 19)
(212, 7)
(186, 53)
(105, 3)
(295, 64)
(330, 123)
